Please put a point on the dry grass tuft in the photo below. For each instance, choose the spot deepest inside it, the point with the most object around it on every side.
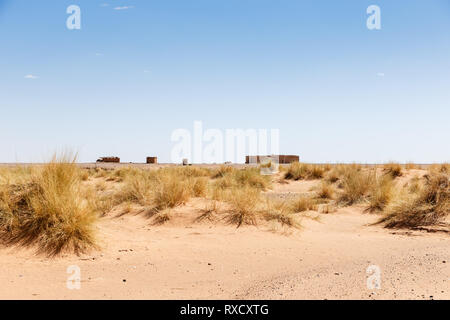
(251, 177)
(199, 186)
(244, 203)
(303, 203)
(50, 210)
(355, 184)
(440, 168)
(210, 210)
(162, 217)
(282, 212)
(303, 171)
(393, 169)
(428, 206)
(170, 192)
(381, 193)
(325, 190)
(221, 172)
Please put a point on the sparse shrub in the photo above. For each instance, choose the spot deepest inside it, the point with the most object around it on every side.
(356, 185)
(303, 203)
(325, 191)
(332, 176)
(187, 172)
(162, 217)
(303, 171)
(138, 186)
(211, 208)
(427, 207)
(199, 186)
(221, 172)
(49, 211)
(393, 169)
(281, 211)
(244, 202)
(413, 185)
(316, 171)
(440, 168)
(381, 193)
(296, 171)
(251, 177)
(169, 192)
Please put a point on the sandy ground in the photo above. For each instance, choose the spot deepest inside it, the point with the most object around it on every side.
(326, 259)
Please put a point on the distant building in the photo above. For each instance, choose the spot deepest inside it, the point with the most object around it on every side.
(152, 160)
(282, 159)
(109, 159)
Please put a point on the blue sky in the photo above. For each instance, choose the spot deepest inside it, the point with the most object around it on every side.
(121, 84)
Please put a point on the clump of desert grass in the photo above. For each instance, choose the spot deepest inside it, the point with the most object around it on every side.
(355, 185)
(137, 187)
(169, 192)
(162, 216)
(393, 169)
(283, 212)
(380, 193)
(413, 185)
(252, 177)
(210, 210)
(243, 206)
(326, 190)
(429, 206)
(198, 186)
(335, 173)
(235, 178)
(49, 210)
(304, 171)
(440, 168)
(163, 188)
(222, 171)
(303, 203)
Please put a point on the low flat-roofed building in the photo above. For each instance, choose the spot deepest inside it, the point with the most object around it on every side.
(282, 159)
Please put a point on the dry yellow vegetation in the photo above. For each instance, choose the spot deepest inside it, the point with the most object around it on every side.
(54, 207)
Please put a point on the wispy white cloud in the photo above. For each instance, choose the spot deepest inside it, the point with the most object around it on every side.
(123, 8)
(98, 54)
(380, 74)
(104, 5)
(30, 76)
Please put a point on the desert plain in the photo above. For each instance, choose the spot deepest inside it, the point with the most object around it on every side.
(224, 232)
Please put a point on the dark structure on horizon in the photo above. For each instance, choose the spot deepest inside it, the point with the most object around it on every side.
(152, 160)
(109, 159)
